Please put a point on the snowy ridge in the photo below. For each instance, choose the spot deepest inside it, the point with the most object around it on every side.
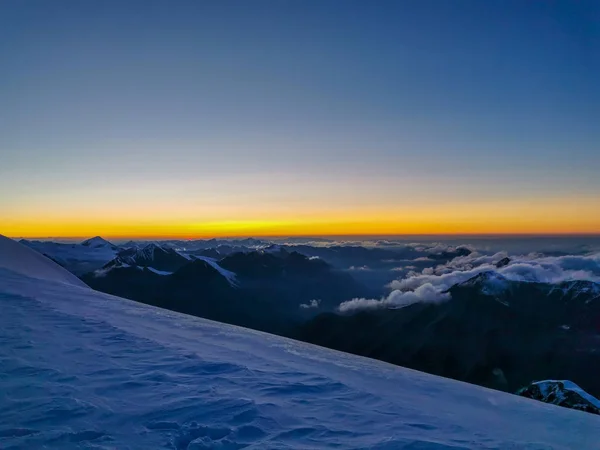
(563, 393)
(21, 259)
(231, 276)
(118, 374)
(147, 253)
(489, 283)
(546, 385)
(158, 272)
(579, 287)
(489, 276)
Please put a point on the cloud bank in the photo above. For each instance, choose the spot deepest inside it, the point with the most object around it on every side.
(431, 284)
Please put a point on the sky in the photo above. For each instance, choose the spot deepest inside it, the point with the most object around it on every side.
(313, 117)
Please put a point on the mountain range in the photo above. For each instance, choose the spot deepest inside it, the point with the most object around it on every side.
(82, 369)
(493, 331)
(258, 289)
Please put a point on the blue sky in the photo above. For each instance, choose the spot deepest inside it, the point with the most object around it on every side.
(272, 102)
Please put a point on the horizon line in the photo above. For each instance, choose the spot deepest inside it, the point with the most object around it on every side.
(321, 236)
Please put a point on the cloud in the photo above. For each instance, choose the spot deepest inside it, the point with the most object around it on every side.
(426, 293)
(313, 304)
(431, 284)
(359, 268)
(425, 247)
(521, 268)
(468, 262)
(437, 248)
(402, 269)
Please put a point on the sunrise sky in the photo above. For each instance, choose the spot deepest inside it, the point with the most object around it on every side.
(236, 118)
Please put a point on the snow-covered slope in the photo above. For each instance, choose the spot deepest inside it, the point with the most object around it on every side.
(25, 261)
(84, 369)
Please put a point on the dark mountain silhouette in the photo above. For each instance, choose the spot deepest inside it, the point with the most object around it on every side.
(448, 255)
(129, 244)
(493, 332)
(342, 256)
(98, 242)
(209, 253)
(293, 277)
(266, 295)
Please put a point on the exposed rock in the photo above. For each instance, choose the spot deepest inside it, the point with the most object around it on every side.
(503, 262)
(562, 393)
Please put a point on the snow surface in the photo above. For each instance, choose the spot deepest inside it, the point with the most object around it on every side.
(26, 261)
(82, 369)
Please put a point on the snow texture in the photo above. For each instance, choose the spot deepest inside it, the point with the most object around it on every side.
(81, 369)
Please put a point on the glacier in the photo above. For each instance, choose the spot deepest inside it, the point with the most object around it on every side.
(82, 369)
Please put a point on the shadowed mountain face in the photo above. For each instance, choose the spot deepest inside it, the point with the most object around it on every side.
(493, 332)
(152, 255)
(270, 292)
(98, 242)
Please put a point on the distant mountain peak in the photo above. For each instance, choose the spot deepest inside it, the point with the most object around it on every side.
(153, 247)
(152, 255)
(129, 244)
(97, 242)
(489, 283)
(489, 276)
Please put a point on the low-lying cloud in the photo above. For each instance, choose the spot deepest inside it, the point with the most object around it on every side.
(430, 285)
(426, 293)
(313, 304)
(359, 268)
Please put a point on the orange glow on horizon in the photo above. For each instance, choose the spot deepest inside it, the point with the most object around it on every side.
(560, 217)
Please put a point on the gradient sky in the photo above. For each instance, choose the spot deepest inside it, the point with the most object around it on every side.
(198, 118)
